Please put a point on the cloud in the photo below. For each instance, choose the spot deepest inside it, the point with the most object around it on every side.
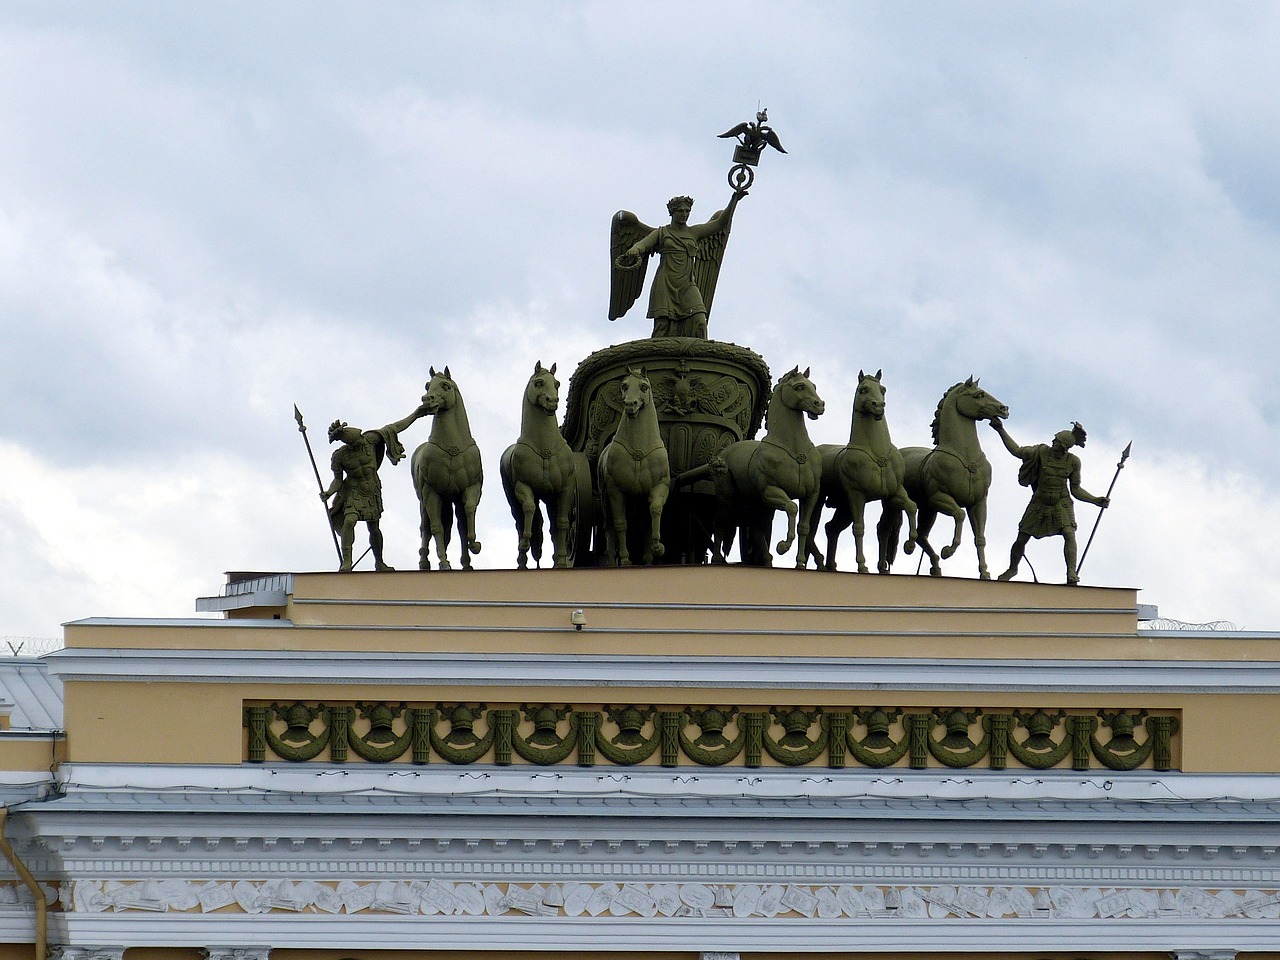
(210, 214)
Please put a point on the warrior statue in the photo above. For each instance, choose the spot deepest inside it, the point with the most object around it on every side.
(356, 488)
(688, 265)
(1052, 472)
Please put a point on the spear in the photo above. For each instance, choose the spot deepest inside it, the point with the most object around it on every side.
(302, 428)
(1119, 466)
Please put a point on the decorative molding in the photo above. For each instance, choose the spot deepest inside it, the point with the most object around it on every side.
(716, 735)
(86, 953)
(1203, 954)
(237, 953)
(15, 895)
(681, 900)
(616, 670)
(714, 955)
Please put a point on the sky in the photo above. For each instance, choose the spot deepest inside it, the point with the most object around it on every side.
(211, 212)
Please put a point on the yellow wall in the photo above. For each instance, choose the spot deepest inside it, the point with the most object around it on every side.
(284, 953)
(31, 753)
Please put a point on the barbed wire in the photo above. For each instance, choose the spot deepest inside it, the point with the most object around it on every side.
(28, 646)
(1168, 623)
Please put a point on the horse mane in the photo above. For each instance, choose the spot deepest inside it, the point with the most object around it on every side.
(787, 377)
(937, 414)
(460, 406)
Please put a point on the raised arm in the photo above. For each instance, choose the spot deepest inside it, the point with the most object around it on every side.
(401, 425)
(1009, 443)
(720, 223)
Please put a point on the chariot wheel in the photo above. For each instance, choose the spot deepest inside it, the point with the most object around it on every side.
(586, 514)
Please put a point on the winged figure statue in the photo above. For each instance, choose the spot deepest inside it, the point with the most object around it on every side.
(689, 258)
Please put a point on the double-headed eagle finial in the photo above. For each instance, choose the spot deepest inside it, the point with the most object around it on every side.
(753, 136)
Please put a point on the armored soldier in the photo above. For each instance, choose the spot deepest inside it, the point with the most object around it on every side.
(356, 488)
(1053, 474)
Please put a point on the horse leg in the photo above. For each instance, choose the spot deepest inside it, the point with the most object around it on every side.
(804, 531)
(899, 501)
(523, 494)
(840, 520)
(618, 511)
(978, 524)
(432, 506)
(858, 509)
(470, 500)
(470, 545)
(776, 499)
(657, 500)
(945, 503)
(722, 531)
(560, 510)
(925, 524)
(424, 552)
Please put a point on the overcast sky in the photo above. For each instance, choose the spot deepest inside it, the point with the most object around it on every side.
(210, 212)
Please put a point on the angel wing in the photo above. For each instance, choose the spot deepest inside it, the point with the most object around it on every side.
(625, 284)
(706, 268)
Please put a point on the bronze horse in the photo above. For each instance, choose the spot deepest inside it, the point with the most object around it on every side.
(755, 478)
(447, 473)
(953, 477)
(634, 467)
(538, 469)
(869, 467)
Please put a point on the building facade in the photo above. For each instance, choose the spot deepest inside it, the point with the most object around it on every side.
(686, 761)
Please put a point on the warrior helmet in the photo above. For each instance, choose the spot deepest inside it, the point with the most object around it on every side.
(1075, 437)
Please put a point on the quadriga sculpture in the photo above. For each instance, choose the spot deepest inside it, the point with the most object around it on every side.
(447, 473)
(634, 468)
(868, 468)
(754, 478)
(538, 469)
(954, 476)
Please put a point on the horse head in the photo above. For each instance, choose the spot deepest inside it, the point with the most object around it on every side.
(869, 400)
(796, 391)
(976, 404)
(442, 392)
(635, 392)
(543, 389)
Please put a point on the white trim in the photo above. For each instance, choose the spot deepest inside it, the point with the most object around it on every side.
(598, 604)
(1161, 791)
(737, 935)
(813, 673)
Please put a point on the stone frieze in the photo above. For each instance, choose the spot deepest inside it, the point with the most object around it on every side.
(691, 900)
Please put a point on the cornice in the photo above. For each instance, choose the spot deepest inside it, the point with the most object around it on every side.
(667, 934)
(663, 672)
(128, 820)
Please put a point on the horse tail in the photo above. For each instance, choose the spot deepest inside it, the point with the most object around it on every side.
(707, 471)
(509, 486)
(446, 518)
(889, 529)
(535, 535)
